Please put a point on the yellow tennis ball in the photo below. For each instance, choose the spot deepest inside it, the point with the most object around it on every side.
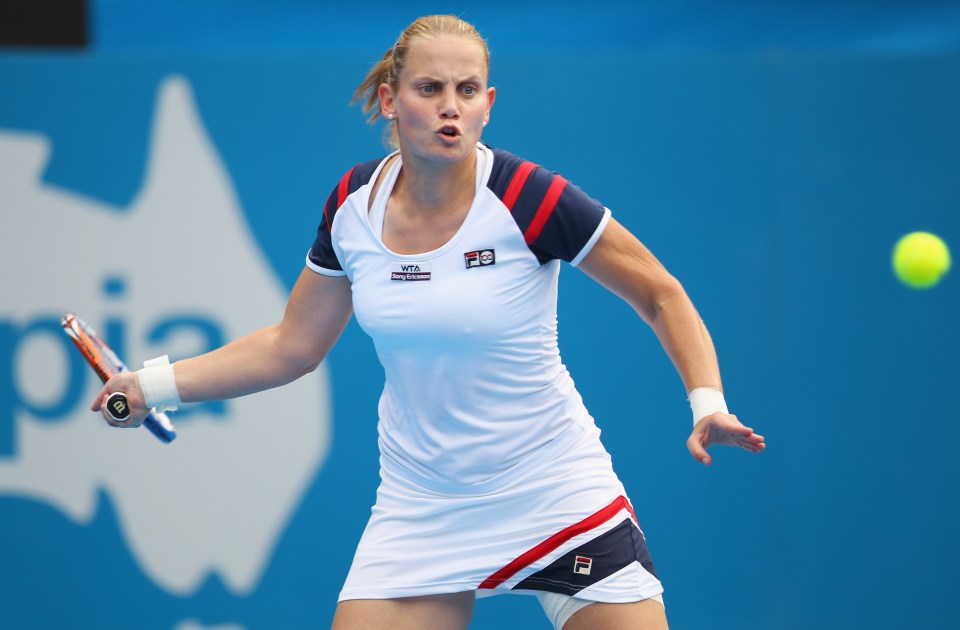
(920, 259)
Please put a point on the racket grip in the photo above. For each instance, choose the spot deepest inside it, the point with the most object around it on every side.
(118, 407)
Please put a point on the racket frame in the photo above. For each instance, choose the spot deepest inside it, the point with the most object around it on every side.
(106, 364)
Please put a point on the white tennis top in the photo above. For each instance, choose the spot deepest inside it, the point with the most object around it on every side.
(467, 333)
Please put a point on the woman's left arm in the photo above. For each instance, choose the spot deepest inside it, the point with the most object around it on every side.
(622, 264)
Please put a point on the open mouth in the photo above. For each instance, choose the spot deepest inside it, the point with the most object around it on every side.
(449, 131)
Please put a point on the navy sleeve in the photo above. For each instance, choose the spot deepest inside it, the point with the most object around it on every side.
(557, 219)
(322, 257)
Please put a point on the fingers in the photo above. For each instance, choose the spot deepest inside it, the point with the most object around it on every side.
(101, 397)
(126, 384)
(744, 437)
(696, 444)
(132, 421)
(724, 429)
(753, 443)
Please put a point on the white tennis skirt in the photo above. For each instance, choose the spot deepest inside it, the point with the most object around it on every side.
(560, 522)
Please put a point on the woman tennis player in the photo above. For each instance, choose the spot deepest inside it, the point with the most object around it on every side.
(448, 251)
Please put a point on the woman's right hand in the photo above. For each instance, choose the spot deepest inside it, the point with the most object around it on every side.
(127, 383)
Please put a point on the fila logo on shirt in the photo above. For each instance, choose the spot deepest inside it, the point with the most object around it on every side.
(582, 565)
(410, 272)
(480, 258)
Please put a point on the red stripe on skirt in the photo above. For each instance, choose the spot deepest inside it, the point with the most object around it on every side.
(552, 543)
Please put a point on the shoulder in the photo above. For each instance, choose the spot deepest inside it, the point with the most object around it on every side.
(508, 175)
(322, 257)
(557, 219)
(523, 186)
(351, 181)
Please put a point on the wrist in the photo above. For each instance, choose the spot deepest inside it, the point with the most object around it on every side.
(705, 401)
(158, 385)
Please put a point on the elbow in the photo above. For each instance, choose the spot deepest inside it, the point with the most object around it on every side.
(666, 294)
(309, 366)
(302, 362)
(297, 358)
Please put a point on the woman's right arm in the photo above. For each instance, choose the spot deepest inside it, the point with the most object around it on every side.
(317, 312)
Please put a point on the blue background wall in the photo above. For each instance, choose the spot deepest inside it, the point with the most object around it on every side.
(770, 155)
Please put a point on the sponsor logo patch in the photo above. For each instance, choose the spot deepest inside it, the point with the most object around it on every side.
(480, 258)
(412, 272)
(582, 565)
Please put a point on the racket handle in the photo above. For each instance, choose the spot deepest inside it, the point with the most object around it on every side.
(117, 406)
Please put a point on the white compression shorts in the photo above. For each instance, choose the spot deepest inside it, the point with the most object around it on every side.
(559, 608)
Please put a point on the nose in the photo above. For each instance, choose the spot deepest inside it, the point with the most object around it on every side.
(448, 105)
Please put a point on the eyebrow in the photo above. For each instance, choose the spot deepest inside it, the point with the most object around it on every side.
(475, 78)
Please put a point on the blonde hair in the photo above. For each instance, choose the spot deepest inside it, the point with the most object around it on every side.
(388, 69)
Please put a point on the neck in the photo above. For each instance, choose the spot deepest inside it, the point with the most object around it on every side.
(428, 185)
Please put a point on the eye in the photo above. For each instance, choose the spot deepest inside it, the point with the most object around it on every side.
(428, 88)
(469, 90)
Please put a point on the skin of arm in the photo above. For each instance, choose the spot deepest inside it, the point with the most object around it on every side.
(622, 264)
(317, 311)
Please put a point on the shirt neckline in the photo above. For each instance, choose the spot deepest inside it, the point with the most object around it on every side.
(378, 208)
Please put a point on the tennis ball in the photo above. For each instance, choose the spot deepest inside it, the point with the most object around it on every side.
(920, 259)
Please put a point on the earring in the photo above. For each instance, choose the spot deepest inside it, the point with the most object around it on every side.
(389, 116)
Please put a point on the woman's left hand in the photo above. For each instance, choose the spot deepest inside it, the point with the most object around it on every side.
(721, 428)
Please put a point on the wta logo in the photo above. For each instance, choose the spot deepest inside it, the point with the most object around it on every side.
(411, 272)
(196, 508)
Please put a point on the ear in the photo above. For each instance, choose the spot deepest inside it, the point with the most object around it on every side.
(388, 101)
(491, 97)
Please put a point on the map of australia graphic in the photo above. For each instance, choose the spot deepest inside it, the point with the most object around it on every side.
(173, 273)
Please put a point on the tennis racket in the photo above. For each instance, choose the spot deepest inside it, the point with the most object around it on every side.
(106, 363)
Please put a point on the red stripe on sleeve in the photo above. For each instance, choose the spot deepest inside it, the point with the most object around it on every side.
(546, 209)
(344, 188)
(516, 184)
(552, 543)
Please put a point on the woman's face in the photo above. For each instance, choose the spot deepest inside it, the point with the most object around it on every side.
(442, 100)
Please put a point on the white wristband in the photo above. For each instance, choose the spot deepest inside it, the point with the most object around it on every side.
(158, 385)
(706, 400)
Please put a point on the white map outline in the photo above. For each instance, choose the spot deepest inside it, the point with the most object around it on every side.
(217, 499)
